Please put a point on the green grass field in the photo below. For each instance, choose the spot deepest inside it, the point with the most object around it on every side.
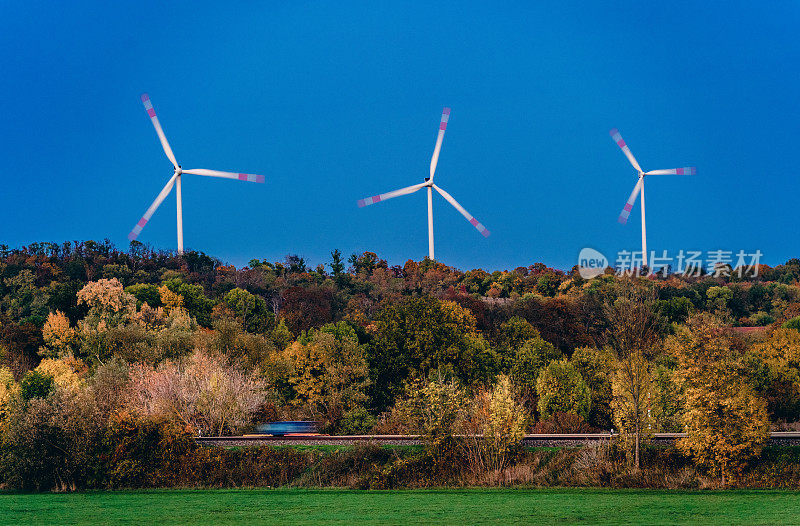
(284, 506)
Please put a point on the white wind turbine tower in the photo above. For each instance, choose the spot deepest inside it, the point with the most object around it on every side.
(176, 179)
(430, 186)
(639, 188)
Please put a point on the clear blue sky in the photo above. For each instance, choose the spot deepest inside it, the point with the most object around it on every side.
(338, 101)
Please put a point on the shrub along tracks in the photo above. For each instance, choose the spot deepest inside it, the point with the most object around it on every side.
(778, 438)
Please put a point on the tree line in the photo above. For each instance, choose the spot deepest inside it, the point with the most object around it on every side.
(93, 339)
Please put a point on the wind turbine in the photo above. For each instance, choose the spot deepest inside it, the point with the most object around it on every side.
(639, 188)
(430, 186)
(175, 180)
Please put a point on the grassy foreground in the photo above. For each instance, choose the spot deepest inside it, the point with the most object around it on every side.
(545, 506)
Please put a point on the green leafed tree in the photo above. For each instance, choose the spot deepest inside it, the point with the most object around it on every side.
(529, 360)
(419, 335)
(562, 389)
(597, 367)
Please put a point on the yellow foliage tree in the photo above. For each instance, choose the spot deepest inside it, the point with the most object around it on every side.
(329, 371)
(149, 318)
(58, 336)
(436, 408)
(633, 334)
(781, 355)
(104, 294)
(7, 386)
(782, 349)
(109, 305)
(500, 418)
(632, 396)
(171, 300)
(63, 371)
(726, 423)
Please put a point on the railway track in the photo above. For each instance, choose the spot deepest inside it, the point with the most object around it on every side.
(543, 440)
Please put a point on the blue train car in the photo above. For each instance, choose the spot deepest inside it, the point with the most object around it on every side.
(291, 427)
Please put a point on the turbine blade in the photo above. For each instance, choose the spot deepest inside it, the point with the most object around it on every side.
(439, 139)
(388, 195)
(227, 175)
(689, 170)
(626, 210)
(624, 147)
(163, 138)
(146, 217)
(474, 222)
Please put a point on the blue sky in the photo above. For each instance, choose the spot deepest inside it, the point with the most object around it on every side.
(338, 101)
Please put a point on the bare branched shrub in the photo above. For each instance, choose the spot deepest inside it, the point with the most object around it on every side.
(562, 422)
(204, 392)
(594, 465)
(110, 385)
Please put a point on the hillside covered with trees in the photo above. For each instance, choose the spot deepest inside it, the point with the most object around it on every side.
(98, 346)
